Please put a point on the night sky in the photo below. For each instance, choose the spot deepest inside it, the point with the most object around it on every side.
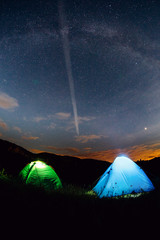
(81, 78)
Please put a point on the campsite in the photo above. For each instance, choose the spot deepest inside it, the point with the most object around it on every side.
(79, 118)
(74, 205)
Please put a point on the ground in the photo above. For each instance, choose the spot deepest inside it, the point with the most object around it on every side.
(75, 208)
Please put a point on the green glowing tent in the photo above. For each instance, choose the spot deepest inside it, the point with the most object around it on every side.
(41, 175)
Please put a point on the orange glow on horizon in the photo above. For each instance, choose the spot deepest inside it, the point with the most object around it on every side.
(35, 151)
(143, 152)
(137, 152)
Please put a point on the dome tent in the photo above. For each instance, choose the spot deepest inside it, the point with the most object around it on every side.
(122, 177)
(40, 174)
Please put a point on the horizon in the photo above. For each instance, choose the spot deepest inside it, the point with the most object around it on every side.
(81, 79)
(112, 155)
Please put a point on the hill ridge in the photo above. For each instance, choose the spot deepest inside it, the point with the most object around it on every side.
(72, 170)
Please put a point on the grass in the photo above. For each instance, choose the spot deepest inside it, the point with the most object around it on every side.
(73, 207)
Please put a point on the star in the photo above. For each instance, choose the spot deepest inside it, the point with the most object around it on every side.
(100, 78)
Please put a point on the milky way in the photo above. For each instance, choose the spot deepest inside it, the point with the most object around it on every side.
(108, 56)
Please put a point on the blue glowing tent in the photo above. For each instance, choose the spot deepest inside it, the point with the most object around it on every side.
(122, 177)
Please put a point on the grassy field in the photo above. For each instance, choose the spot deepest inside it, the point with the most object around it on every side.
(26, 211)
(74, 208)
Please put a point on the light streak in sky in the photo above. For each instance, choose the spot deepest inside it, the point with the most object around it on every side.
(65, 40)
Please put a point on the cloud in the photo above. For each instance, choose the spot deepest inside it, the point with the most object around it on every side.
(69, 150)
(137, 152)
(17, 129)
(33, 150)
(61, 150)
(85, 119)
(3, 125)
(107, 155)
(58, 115)
(62, 115)
(7, 102)
(87, 148)
(39, 119)
(29, 138)
(52, 126)
(144, 151)
(81, 120)
(87, 138)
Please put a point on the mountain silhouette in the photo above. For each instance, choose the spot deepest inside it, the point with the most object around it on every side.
(71, 170)
(13, 157)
